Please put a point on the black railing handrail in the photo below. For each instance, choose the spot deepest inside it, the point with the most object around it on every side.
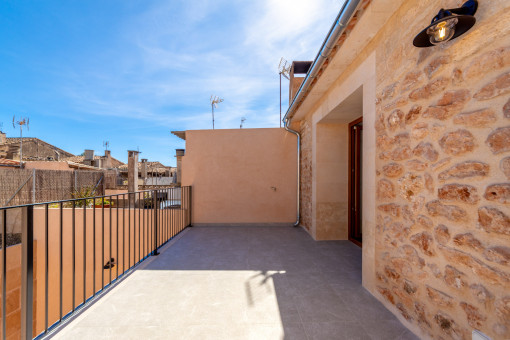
(87, 198)
(159, 224)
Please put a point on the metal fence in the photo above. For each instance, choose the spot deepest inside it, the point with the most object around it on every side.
(24, 186)
(73, 249)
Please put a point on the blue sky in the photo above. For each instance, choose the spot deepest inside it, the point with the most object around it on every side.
(131, 71)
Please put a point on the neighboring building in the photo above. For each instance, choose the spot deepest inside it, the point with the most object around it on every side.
(403, 150)
(33, 149)
(103, 162)
(151, 173)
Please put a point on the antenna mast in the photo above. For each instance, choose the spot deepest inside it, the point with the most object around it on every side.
(106, 144)
(215, 100)
(242, 122)
(22, 121)
(283, 70)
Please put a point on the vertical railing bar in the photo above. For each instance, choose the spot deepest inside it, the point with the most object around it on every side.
(94, 248)
(73, 267)
(84, 250)
(144, 224)
(129, 231)
(124, 235)
(172, 214)
(102, 244)
(4, 274)
(117, 247)
(155, 221)
(46, 268)
(61, 256)
(27, 275)
(110, 238)
(139, 230)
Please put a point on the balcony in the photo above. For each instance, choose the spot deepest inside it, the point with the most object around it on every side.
(240, 283)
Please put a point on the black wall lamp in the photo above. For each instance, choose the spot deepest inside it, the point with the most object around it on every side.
(447, 25)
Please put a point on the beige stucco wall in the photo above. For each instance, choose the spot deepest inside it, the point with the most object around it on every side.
(436, 201)
(241, 175)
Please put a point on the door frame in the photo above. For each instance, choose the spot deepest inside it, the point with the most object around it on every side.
(350, 192)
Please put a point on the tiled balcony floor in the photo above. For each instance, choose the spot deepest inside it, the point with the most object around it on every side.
(242, 283)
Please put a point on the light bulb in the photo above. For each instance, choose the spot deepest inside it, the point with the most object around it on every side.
(443, 31)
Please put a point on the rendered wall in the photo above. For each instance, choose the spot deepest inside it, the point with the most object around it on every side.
(442, 241)
(241, 175)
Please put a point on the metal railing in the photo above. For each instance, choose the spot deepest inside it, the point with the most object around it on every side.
(78, 247)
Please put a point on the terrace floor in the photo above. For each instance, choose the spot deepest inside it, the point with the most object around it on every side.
(241, 283)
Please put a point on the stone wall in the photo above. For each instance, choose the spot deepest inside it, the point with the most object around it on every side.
(305, 200)
(443, 170)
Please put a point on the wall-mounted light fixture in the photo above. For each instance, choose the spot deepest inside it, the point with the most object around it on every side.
(448, 24)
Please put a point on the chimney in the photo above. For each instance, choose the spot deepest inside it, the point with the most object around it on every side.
(107, 159)
(144, 168)
(132, 171)
(179, 153)
(88, 158)
(3, 137)
(298, 67)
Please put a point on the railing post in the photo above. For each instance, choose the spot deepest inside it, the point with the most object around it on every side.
(155, 209)
(27, 274)
(190, 206)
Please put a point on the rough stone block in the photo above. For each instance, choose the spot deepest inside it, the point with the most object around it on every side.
(489, 62)
(425, 221)
(442, 234)
(465, 170)
(491, 275)
(479, 118)
(410, 185)
(498, 254)
(493, 220)
(391, 209)
(420, 131)
(481, 294)
(451, 212)
(439, 298)
(504, 165)
(474, 317)
(413, 114)
(457, 142)
(434, 87)
(454, 277)
(423, 241)
(396, 120)
(385, 190)
(498, 192)
(497, 87)
(435, 64)
(499, 140)
(401, 153)
(469, 241)
(392, 170)
(458, 193)
(426, 151)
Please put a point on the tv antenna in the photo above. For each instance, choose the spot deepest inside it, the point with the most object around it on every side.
(21, 122)
(106, 144)
(242, 122)
(283, 70)
(215, 100)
